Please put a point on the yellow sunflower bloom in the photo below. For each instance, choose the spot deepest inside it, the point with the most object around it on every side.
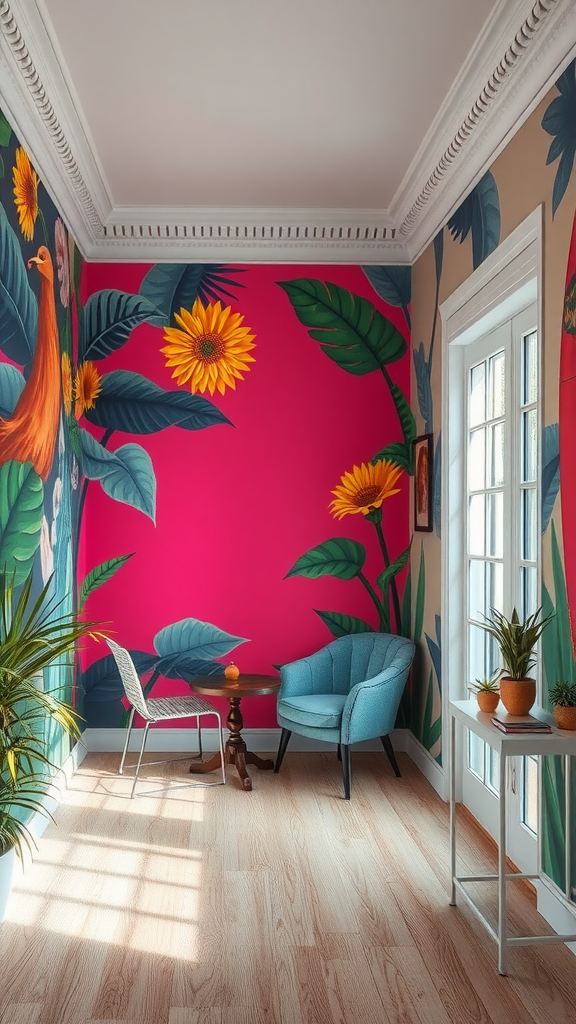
(365, 488)
(67, 383)
(210, 350)
(87, 387)
(26, 183)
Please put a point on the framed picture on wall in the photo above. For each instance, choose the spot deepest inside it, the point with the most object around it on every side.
(423, 483)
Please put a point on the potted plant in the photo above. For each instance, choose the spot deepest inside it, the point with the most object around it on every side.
(33, 635)
(516, 641)
(563, 699)
(487, 693)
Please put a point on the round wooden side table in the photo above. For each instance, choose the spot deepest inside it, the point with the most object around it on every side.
(235, 749)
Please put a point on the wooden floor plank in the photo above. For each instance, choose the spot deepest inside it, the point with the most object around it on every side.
(287, 905)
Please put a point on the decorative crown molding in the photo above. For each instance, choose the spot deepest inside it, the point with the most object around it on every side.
(518, 56)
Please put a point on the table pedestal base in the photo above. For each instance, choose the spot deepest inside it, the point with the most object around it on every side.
(235, 751)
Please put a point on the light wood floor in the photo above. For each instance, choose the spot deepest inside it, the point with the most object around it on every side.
(287, 905)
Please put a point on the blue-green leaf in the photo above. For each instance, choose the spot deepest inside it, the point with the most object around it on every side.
(18, 303)
(96, 460)
(550, 471)
(393, 284)
(102, 682)
(130, 402)
(195, 639)
(109, 318)
(21, 512)
(559, 121)
(126, 475)
(480, 214)
(344, 625)
(385, 578)
(173, 286)
(338, 557)
(182, 666)
(422, 369)
(11, 386)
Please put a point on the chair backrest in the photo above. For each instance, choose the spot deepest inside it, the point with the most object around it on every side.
(130, 679)
(361, 656)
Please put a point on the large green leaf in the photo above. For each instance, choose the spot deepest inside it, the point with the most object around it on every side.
(182, 666)
(173, 286)
(396, 452)
(385, 578)
(126, 475)
(130, 402)
(405, 414)
(338, 557)
(344, 625)
(11, 386)
(21, 512)
(553, 819)
(351, 331)
(18, 303)
(195, 639)
(99, 575)
(109, 318)
(393, 284)
(561, 624)
(5, 130)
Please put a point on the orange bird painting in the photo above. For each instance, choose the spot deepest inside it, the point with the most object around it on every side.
(29, 434)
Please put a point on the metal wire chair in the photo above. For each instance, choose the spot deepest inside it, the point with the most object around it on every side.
(159, 709)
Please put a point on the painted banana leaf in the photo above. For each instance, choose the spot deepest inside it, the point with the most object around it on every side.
(182, 666)
(344, 625)
(394, 285)
(479, 214)
(553, 819)
(173, 286)
(338, 557)
(559, 122)
(101, 681)
(18, 303)
(194, 639)
(109, 317)
(434, 649)
(550, 471)
(21, 514)
(132, 403)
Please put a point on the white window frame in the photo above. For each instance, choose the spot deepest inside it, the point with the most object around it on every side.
(505, 283)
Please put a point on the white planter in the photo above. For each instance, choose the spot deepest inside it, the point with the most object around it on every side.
(7, 865)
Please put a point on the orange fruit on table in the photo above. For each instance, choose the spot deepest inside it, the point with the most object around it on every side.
(231, 671)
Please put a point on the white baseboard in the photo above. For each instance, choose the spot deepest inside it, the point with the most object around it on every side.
(560, 915)
(436, 775)
(176, 740)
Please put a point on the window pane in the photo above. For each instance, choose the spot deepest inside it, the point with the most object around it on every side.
(529, 526)
(528, 591)
(495, 524)
(529, 455)
(496, 402)
(477, 398)
(476, 653)
(496, 466)
(477, 545)
(495, 585)
(530, 794)
(476, 755)
(477, 460)
(476, 589)
(493, 770)
(530, 369)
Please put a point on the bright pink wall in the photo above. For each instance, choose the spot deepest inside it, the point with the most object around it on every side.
(236, 506)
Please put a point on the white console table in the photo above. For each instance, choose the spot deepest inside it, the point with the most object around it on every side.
(507, 745)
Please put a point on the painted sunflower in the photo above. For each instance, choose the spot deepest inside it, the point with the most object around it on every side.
(67, 383)
(26, 183)
(365, 488)
(210, 349)
(87, 387)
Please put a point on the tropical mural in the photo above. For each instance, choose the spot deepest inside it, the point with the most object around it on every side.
(493, 208)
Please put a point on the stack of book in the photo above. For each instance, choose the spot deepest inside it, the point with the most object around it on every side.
(519, 723)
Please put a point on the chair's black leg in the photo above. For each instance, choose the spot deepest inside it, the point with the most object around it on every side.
(387, 744)
(286, 734)
(339, 753)
(345, 749)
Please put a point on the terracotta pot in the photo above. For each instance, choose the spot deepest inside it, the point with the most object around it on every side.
(487, 701)
(517, 695)
(565, 718)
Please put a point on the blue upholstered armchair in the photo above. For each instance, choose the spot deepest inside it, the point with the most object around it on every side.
(347, 692)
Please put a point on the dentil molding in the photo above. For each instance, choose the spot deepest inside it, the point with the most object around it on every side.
(523, 49)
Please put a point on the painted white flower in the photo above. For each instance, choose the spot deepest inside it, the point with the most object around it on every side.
(62, 262)
(46, 553)
(75, 475)
(56, 497)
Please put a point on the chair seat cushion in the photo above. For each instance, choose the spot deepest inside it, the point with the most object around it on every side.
(319, 710)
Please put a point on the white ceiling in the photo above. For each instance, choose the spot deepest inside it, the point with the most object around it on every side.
(255, 129)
